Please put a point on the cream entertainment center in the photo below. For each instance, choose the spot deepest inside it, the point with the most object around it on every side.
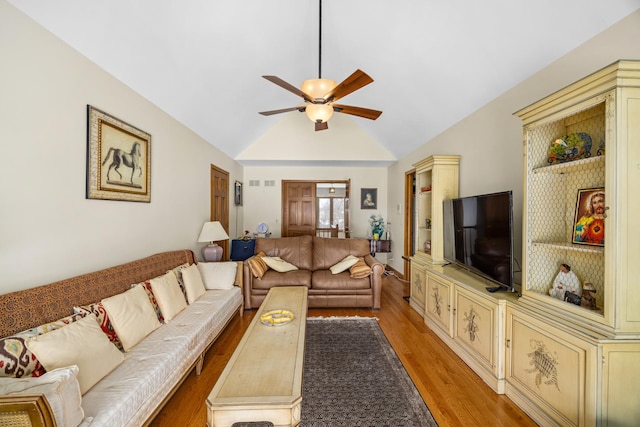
(572, 358)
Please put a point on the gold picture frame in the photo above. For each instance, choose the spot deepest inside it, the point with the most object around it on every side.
(118, 159)
(589, 224)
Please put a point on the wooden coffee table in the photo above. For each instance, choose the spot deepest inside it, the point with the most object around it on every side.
(263, 379)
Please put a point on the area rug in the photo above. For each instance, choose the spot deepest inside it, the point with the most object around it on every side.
(353, 377)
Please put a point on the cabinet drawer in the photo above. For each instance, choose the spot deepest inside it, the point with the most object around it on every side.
(475, 326)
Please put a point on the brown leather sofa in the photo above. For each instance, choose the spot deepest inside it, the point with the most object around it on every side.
(314, 257)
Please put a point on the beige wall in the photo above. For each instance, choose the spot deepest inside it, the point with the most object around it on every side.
(490, 139)
(48, 230)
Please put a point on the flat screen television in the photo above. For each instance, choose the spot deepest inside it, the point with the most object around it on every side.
(478, 236)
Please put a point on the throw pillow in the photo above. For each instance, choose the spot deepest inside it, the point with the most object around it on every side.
(16, 360)
(146, 285)
(360, 269)
(178, 272)
(132, 316)
(59, 386)
(168, 294)
(218, 275)
(257, 265)
(344, 265)
(81, 343)
(103, 320)
(193, 283)
(278, 264)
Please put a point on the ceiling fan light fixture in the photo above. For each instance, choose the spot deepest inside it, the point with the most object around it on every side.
(319, 113)
(318, 88)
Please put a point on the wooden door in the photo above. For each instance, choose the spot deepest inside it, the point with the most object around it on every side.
(298, 208)
(220, 203)
(409, 194)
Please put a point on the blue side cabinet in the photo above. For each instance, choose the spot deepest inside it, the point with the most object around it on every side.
(242, 249)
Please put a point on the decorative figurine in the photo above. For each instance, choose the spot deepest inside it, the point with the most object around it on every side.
(565, 281)
(588, 300)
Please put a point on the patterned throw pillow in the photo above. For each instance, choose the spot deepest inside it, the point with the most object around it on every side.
(360, 269)
(16, 360)
(146, 285)
(257, 265)
(178, 272)
(103, 319)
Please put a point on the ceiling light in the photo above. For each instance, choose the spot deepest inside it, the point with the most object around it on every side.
(318, 88)
(332, 190)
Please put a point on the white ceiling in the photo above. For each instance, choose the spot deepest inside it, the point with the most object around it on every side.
(433, 62)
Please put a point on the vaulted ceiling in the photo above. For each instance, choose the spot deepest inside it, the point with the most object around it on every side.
(433, 61)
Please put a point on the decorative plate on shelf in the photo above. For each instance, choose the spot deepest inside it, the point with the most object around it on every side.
(276, 317)
(571, 147)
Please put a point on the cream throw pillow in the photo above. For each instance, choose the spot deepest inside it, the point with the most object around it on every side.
(193, 283)
(81, 343)
(344, 265)
(59, 386)
(218, 275)
(168, 295)
(278, 264)
(132, 316)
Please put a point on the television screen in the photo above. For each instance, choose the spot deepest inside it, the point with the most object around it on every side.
(478, 235)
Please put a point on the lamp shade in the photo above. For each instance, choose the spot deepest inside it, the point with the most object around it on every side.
(318, 88)
(212, 232)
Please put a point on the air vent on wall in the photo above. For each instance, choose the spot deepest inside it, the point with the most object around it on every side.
(269, 183)
(254, 183)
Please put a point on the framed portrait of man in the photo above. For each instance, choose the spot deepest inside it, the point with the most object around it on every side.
(588, 228)
(368, 198)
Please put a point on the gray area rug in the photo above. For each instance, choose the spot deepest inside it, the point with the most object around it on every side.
(353, 377)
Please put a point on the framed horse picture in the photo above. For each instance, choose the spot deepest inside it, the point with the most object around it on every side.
(118, 159)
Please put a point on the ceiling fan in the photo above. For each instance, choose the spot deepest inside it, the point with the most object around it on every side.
(320, 94)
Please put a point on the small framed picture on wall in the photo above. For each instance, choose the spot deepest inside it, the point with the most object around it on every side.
(238, 193)
(369, 198)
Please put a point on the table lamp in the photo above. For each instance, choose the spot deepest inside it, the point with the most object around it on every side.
(212, 232)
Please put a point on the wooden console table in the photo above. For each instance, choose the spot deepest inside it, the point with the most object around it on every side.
(263, 379)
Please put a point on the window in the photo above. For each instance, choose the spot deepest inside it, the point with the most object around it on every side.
(330, 206)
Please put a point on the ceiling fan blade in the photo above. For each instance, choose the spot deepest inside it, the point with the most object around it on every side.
(357, 111)
(289, 87)
(322, 126)
(283, 110)
(352, 83)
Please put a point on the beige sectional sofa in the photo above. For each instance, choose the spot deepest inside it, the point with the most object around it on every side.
(313, 258)
(152, 370)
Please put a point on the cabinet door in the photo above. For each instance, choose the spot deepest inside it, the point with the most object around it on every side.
(418, 287)
(475, 326)
(438, 306)
(551, 368)
(620, 384)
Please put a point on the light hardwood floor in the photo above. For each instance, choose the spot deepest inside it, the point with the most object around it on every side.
(455, 395)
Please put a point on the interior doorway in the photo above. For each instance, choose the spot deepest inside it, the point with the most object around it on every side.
(409, 221)
(219, 199)
(316, 208)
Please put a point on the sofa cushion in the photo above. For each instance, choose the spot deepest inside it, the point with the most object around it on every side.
(323, 279)
(193, 284)
(295, 250)
(16, 360)
(344, 265)
(169, 295)
(360, 269)
(146, 285)
(328, 252)
(291, 278)
(132, 316)
(81, 343)
(59, 386)
(278, 264)
(218, 275)
(103, 320)
(257, 265)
